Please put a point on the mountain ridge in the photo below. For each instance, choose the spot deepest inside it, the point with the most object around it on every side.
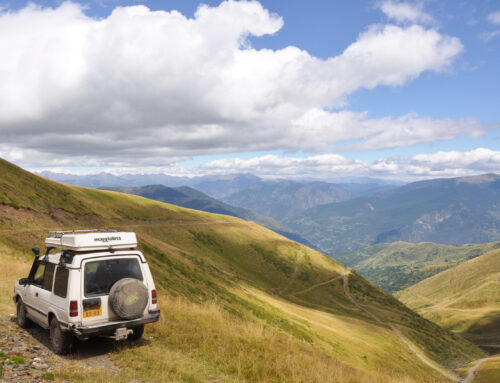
(448, 211)
(188, 197)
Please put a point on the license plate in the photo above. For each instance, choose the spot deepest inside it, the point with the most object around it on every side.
(92, 311)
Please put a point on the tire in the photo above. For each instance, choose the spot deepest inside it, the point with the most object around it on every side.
(137, 334)
(128, 298)
(22, 320)
(61, 341)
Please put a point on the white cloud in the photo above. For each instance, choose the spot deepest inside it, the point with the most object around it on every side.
(494, 17)
(317, 129)
(403, 12)
(441, 164)
(141, 87)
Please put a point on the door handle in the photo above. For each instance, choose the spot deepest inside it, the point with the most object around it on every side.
(36, 294)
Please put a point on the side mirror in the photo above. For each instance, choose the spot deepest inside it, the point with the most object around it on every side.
(23, 281)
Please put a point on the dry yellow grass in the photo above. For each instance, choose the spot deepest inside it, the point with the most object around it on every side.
(465, 299)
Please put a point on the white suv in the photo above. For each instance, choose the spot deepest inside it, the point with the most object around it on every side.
(99, 284)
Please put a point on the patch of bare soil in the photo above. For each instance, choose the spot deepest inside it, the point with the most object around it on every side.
(26, 357)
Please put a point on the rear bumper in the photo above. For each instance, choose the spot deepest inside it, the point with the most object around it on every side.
(110, 327)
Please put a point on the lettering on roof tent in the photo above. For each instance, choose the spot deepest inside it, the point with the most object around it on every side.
(107, 239)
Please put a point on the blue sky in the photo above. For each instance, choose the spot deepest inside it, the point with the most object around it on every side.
(324, 117)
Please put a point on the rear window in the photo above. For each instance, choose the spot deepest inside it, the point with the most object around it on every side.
(100, 276)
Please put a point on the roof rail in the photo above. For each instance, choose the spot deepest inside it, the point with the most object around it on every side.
(60, 233)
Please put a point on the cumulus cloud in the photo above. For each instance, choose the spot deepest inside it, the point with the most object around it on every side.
(143, 87)
(403, 12)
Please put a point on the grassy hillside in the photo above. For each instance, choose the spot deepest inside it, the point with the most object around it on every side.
(449, 211)
(465, 299)
(193, 199)
(396, 266)
(239, 302)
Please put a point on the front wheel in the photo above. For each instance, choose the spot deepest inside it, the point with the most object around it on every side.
(61, 341)
(22, 320)
(137, 333)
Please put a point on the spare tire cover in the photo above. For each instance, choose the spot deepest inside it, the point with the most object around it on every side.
(128, 298)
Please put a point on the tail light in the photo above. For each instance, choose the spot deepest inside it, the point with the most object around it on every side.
(153, 297)
(73, 308)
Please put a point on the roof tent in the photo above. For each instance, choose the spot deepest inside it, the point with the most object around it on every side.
(89, 240)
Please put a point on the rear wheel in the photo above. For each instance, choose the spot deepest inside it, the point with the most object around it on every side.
(22, 320)
(137, 334)
(61, 341)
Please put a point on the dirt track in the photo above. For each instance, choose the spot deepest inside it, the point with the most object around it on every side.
(442, 371)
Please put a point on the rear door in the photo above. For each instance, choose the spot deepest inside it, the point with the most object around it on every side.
(98, 276)
(39, 292)
(60, 293)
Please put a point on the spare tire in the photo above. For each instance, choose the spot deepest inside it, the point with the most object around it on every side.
(128, 298)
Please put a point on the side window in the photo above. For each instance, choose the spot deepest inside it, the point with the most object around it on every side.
(48, 277)
(61, 282)
(40, 271)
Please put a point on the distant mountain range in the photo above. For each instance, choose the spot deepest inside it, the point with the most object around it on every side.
(284, 199)
(449, 211)
(215, 186)
(336, 218)
(193, 199)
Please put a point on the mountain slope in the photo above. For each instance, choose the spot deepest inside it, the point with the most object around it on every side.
(465, 299)
(239, 302)
(193, 199)
(449, 211)
(283, 199)
(396, 266)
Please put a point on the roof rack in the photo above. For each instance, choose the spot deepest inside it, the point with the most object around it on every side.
(90, 240)
(60, 233)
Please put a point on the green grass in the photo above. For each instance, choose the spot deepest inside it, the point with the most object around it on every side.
(396, 266)
(48, 376)
(239, 302)
(465, 299)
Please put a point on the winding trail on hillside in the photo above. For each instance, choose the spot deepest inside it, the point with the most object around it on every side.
(448, 374)
(471, 374)
(321, 284)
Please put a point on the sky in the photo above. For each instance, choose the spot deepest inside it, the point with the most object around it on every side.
(290, 89)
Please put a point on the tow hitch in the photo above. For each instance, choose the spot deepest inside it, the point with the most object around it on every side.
(122, 333)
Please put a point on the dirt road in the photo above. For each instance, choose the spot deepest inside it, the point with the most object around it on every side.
(441, 370)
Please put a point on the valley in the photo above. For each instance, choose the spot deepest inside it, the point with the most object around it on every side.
(239, 302)
(451, 211)
(398, 265)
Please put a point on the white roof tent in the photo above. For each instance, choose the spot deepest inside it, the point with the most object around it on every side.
(91, 240)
